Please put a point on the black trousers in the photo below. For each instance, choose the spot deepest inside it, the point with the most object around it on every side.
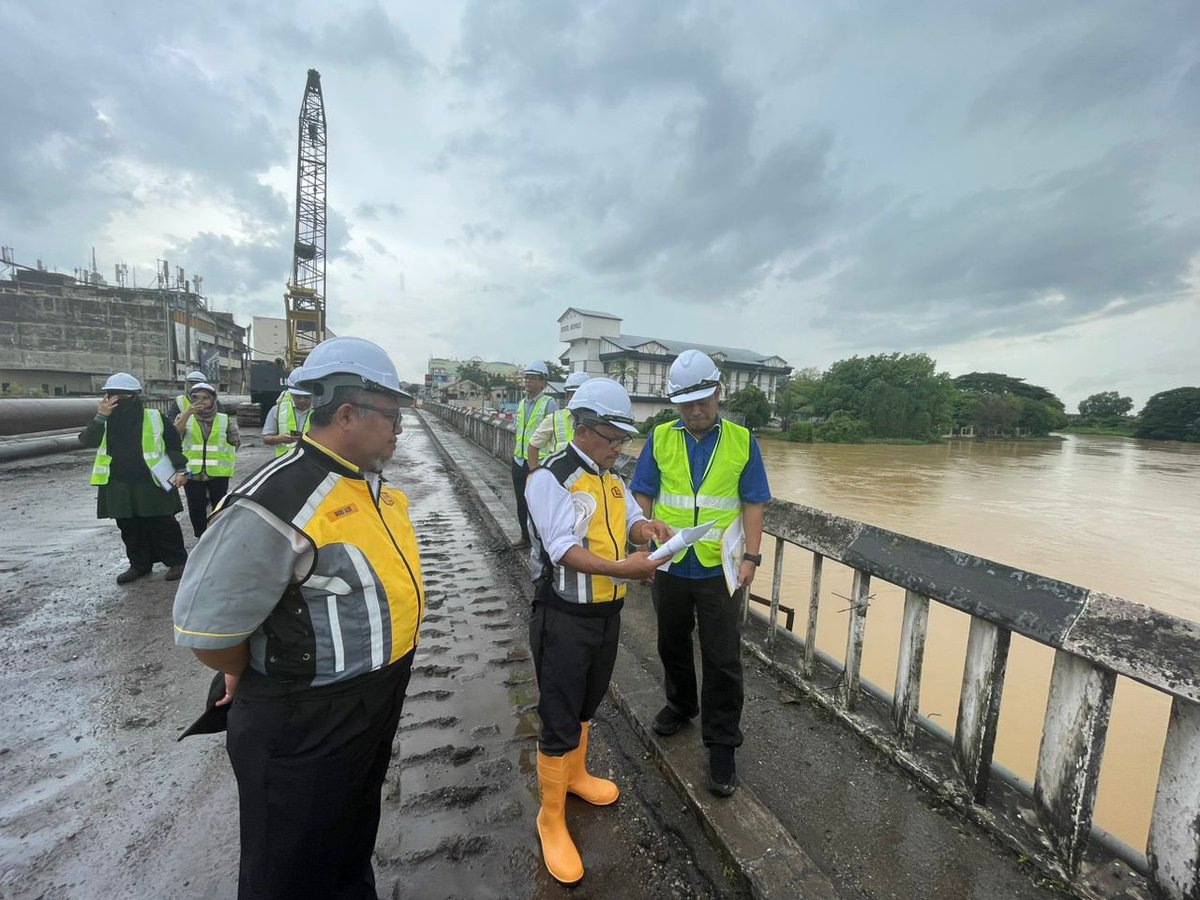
(151, 539)
(681, 604)
(310, 768)
(202, 496)
(573, 658)
(520, 471)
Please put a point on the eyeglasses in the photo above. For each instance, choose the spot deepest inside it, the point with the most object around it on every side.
(619, 441)
(394, 414)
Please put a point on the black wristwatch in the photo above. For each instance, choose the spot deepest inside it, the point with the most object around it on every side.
(755, 558)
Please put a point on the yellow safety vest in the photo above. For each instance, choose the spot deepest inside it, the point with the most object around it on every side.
(214, 455)
(606, 533)
(527, 424)
(286, 421)
(183, 402)
(563, 434)
(717, 501)
(154, 450)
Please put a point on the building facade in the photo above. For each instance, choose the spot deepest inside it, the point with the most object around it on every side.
(596, 345)
(60, 336)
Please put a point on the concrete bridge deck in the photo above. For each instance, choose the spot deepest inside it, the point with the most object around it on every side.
(101, 802)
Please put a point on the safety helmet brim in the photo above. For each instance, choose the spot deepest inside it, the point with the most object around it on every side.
(299, 392)
(696, 392)
(202, 386)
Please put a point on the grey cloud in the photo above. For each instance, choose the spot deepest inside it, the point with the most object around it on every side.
(1079, 244)
(379, 248)
(375, 211)
(358, 37)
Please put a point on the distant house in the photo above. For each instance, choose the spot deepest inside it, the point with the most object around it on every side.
(597, 346)
(443, 371)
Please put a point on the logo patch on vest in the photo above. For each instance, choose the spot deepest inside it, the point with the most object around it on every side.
(615, 490)
(341, 512)
(384, 498)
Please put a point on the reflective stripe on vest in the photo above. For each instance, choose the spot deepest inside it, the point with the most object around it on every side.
(286, 421)
(214, 455)
(183, 402)
(153, 448)
(527, 423)
(563, 434)
(680, 505)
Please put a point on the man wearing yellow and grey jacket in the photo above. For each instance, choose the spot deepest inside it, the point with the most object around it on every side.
(582, 516)
(306, 592)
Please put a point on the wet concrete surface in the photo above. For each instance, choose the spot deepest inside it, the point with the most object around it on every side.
(871, 831)
(100, 801)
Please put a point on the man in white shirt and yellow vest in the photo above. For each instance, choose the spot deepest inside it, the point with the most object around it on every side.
(702, 468)
(556, 430)
(583, 515)
(305, 592)
(534, 406)
(289, 417)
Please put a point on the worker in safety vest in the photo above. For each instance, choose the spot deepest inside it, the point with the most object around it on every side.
(210, 441)
(305, 593)
(182, 401)
(288, 418)
(703, 468)
(138, 469)
(583, 515)
(534, 406)
(556, 431)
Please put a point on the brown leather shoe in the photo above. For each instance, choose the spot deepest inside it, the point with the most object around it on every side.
(133, 573)
(174, 573)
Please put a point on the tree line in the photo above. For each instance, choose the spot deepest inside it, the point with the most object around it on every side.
(900, 396)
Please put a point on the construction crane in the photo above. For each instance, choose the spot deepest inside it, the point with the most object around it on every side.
(305, 297)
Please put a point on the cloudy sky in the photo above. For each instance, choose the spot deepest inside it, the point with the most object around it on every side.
(1009, 186)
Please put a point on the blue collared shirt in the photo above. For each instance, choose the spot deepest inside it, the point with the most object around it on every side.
(752, 484)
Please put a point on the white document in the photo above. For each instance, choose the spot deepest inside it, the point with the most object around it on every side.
(733, 546)
(680, 540)
(163, 471)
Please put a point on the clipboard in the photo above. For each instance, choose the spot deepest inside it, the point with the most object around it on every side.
(163, 471)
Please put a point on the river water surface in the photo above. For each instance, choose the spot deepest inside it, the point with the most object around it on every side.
(1112, 514)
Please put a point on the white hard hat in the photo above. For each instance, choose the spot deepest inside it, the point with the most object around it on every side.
(537, 367)
(202, 386)
(574, 380)
(122, 381)
(293, 383)
(349, 362)
(606, 400)
(196, 375)
(693, 376)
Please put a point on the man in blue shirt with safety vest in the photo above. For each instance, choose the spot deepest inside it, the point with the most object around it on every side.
(534, 406)
(289, 417)
(556, 430)
(702, 468)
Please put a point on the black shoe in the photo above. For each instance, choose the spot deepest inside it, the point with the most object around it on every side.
(722, 771)
(174, 573)
(132, 574)
(668, 721)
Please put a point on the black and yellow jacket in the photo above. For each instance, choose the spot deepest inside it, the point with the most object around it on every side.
(313, 562)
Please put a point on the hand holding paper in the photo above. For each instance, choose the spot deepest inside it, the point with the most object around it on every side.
(681, 540)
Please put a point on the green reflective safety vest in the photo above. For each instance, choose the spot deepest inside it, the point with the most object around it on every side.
(286, 420)
(716, 500)
(214, 455)
(527, 423)
(183, 402)
(563, 434)
(154, 450)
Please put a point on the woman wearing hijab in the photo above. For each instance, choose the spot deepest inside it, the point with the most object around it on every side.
(210, 441)
(139, 466)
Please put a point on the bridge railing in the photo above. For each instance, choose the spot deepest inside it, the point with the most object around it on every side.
(1096, 638)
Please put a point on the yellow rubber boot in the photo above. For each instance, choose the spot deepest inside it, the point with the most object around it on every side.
(597, 791)
(558, 850)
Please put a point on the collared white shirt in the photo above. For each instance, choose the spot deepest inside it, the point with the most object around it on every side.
(553, 514)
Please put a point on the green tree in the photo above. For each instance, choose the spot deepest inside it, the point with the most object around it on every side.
(1171, 416)
(800, 432)
(663, 415)
(1040, 411)
(794, 398)
(557, 372)
(477, 373)
(622, 370)
(753, 406)
(1107, 406)
(842, 428)
(895, 395)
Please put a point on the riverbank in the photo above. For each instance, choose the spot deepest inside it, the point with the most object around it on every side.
(1101, 430)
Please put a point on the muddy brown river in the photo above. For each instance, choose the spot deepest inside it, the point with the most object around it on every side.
(1117, 515)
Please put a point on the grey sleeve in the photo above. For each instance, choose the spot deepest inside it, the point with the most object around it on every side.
(235, 576)
(271, 423)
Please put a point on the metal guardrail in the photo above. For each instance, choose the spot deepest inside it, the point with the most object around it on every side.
(1096, 639)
